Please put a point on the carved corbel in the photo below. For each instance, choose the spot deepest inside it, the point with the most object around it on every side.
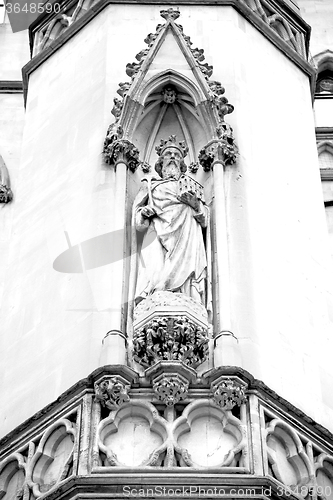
(112, 392)
(171, 388)
(221, 150)
(6, 194)
(170, 381)
(228, 393)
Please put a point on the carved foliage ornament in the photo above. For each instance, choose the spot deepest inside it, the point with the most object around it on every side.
(171, 388)
(6, 194)
(121, 151)
(229, 393)
(170, 338)
(112, 393)
(223, 149)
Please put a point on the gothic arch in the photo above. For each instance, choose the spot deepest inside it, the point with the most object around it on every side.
(198, 106)
(324, 65)
(168, 98)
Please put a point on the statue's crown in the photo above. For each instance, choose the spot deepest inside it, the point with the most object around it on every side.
(172, 142)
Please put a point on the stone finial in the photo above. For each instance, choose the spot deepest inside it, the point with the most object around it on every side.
(170, 14)
(171, 388)
(228, 393)
(112, 392)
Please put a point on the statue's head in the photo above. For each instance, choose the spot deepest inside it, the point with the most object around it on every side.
(171, 158)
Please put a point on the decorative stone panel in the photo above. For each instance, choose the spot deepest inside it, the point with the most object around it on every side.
(77, 446)
(286, 455)
(53, 460)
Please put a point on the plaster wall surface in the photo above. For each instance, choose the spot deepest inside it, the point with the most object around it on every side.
(11, 131)
(14, 52)
(66, 195)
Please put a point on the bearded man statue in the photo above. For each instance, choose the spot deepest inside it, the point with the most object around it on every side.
(172, 254)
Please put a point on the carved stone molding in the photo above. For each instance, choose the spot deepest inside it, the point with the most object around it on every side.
(121, 151)
(228, 393)
(112, 392)
(171, 388)
(223, 149)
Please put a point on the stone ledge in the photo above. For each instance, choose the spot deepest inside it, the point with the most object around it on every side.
(11, 87)
(116, 486)
(85, 386)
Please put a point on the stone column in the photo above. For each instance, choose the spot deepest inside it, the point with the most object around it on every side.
(215, 156)
(122, 155)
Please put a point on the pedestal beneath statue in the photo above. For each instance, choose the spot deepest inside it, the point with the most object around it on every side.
(170, 327)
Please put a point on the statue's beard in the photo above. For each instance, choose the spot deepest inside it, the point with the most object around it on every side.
(171, 170)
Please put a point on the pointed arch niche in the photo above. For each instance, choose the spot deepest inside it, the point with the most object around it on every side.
(170, 93)
(170, 104)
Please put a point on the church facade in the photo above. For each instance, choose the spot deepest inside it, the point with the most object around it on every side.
(166, 225)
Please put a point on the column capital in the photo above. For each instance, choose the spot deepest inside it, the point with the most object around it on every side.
(118, 150)
(221, 149)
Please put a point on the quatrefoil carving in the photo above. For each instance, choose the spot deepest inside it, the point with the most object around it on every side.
(286, 454)
(135, 435)
(204, 436)
(12, 477)
(53, 458)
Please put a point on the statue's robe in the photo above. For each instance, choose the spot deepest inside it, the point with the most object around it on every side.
(172, 255)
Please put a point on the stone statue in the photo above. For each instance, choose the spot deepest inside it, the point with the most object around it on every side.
(170, 213)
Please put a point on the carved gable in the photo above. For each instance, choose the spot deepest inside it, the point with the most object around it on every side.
(170, 93)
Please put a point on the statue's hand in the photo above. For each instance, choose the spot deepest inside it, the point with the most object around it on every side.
(191, 199)
(148, 212)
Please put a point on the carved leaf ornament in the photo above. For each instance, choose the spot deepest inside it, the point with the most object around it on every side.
(204, 436)
(171, 338)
